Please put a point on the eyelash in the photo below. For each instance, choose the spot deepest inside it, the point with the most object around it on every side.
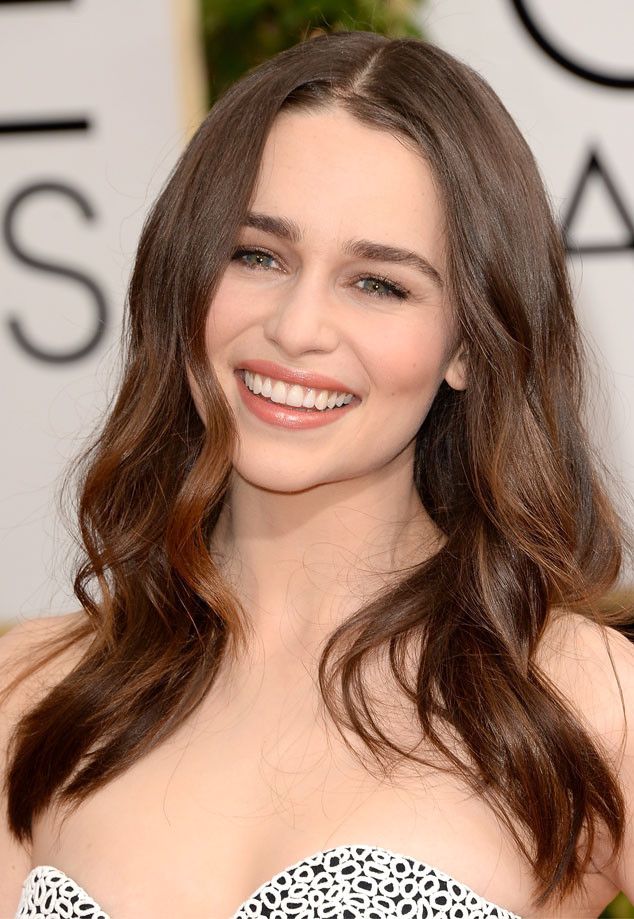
(395, 290)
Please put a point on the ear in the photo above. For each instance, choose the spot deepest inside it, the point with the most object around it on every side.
(456, 371)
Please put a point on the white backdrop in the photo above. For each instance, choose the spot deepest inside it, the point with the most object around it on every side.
(96, 101)
(565, 71)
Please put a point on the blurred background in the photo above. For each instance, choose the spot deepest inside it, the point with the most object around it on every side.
(98, 100)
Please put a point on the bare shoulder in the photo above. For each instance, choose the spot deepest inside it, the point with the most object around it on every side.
(593, 668)
(24, 640)
(16, 647)
(591, 665)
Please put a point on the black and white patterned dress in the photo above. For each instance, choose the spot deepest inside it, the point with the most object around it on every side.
(345, 882)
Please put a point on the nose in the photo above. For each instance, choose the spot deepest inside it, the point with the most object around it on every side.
(302, 316)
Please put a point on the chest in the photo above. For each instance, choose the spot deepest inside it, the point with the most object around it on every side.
(251, 786)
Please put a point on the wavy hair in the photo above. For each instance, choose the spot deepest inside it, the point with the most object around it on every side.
(504, 468)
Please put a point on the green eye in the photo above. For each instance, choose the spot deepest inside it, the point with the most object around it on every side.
(389, 289)
(252, 258)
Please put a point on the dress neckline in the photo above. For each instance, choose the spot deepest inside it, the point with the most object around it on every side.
(320, 854)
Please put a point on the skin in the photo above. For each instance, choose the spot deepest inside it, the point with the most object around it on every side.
(318, 519)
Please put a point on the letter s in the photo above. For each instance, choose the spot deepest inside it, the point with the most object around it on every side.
(99, 302)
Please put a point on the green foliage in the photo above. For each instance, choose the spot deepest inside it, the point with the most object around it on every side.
(619, 908)
(240, 34)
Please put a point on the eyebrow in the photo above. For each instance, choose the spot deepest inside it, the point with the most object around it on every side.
(359, 248)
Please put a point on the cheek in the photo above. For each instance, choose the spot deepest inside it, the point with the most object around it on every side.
(411, 364)
(222, 324)
(234, 314)
(223, 319)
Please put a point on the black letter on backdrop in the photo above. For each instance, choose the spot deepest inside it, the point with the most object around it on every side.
(594, 168)
(99, 326)
(564, 60)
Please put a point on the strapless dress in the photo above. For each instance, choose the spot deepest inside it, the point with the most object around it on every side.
(345, 882)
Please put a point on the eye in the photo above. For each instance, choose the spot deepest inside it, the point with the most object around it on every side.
(389, 288)
(252, 258)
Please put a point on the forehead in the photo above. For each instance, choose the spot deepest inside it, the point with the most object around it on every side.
(340, 178)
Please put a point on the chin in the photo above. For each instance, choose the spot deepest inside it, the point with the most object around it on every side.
(271, 475)
(276, 481)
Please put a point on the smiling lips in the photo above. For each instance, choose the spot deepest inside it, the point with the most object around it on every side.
(279, 414)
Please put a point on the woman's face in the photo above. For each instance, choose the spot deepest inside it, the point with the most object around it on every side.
(375, 321)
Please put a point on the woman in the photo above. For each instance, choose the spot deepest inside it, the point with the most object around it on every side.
(338, 651)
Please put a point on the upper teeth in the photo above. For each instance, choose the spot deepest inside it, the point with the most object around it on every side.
(295, 395)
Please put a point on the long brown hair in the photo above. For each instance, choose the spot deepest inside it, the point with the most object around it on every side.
(504, 468)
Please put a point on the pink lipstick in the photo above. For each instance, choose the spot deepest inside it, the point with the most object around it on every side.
(287, 416)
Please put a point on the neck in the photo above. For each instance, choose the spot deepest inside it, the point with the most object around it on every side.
(302, 562)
